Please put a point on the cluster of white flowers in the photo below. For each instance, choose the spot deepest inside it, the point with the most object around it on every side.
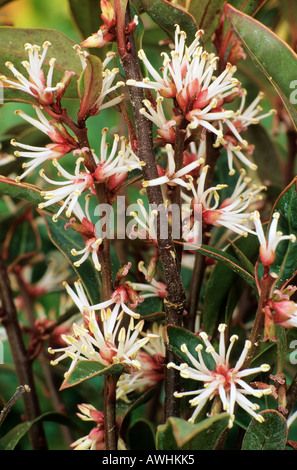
(112, 332)
(223, 380)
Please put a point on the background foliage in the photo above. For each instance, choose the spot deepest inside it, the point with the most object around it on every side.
(27, 237)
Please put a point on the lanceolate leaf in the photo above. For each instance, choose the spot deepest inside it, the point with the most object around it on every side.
(272, 55)
(86, 15)
(23, 191)
(269, 435)
(178, 434)
(228, 260)
(167, 15)
(206, 14)
(12, 42)
(249, 7)
(12, 438)
(223, 277)
(176, 337)
(89, 86)
(285, 265)
(85, 370)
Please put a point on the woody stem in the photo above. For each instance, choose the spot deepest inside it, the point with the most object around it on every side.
(175, 300)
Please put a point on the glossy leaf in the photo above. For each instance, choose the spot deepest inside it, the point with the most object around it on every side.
(89, 86)
(22, 239)
(273, 56)
(206, 14)
(176, 337)
(249, 7)
(223, 277)
(266, 157)
(12, 438)
(124, 408)
(23, 191)
(285, 265)
(86, 16)
(85, 370)
(12, 42)
(230, 261)
(167, 15)
(145, 429)
(178, 434)
(269, 435)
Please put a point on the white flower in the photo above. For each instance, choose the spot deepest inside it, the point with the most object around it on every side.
(82, 55)
(36, 84)
(88, 232)
(237, 150)
(152, 359)
(95, 440)
(107, 88)
(165, 128)
(116, 345)
(108, 77)
(153, 288)
(119, 299)
(170, 176)
(187, 75)
(232, 141)
(146, 223)
(70, 190)
(245, 117)
(62, 143)
(231, 213)
(110, 343)
(268, 243)
(223, 381)
(116, 162)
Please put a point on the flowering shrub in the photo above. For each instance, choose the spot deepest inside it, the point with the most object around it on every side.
(148, 230)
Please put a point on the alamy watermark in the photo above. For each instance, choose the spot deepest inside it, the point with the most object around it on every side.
(183, 223)
(293, 94)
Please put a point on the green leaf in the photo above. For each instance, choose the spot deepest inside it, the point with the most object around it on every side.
(86, 16)
(22, 241)
(124, 408)
(12, 42)
(249, 7)
(12, 438)
(273, 56)
(265, 155)
(146, 430)
(177, 434)
(176, 336)
(23, 191)
(206, 14)
(230, 261)
(285, 264)
(85, 370)
(269, 435)
(167, 15)
(223, 277)
(89, 86)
